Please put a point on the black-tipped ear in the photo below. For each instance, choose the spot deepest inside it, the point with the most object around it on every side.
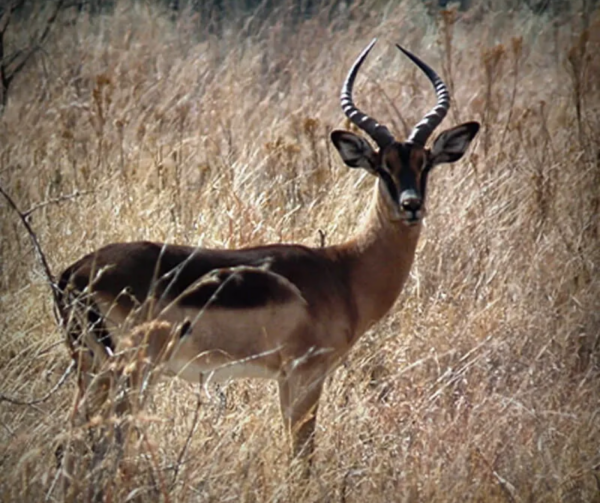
(451, 145)
(356, 152)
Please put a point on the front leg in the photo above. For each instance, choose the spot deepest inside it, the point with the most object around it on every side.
(299, 395)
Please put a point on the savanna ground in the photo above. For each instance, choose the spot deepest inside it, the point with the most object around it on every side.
(482, 384)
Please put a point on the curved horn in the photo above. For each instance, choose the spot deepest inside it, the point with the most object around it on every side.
(380, 134)
(422, 131)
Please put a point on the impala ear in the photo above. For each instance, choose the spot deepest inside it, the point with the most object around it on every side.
(450, 145)
(356, 152)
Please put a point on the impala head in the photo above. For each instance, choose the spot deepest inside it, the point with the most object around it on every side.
(402, 167)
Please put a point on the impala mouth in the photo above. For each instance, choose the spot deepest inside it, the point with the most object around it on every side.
(410, 217)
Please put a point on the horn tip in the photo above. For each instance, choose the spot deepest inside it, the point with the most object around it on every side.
(405, 51)
(367, 49)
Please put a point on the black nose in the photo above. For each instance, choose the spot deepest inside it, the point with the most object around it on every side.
(411, 204)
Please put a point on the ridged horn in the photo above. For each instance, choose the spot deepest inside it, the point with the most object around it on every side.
(380, 134)
(422, 131)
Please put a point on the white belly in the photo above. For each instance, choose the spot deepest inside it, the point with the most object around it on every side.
(199, 370)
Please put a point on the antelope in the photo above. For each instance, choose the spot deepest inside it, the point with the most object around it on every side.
(282, 311)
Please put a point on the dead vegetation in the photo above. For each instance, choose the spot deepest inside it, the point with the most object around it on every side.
(482, 384)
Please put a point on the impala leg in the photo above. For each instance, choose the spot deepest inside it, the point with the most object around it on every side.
(299, 399)
(87, 447)
(115, 387)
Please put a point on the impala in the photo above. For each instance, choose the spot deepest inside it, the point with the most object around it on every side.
(284, 311)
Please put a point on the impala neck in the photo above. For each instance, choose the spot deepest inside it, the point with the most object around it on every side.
(379, 259)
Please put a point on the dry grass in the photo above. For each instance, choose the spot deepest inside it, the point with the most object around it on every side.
(483, 384)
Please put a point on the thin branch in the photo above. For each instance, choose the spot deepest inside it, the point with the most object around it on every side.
(35, 401)
(9, 60)
(5, 14)
(55, 296)
(322, 238)
(56, 200)
(36, 45)
(182, 454)
(508, 489)
(157, 471)
(5, 20)
(38, 249)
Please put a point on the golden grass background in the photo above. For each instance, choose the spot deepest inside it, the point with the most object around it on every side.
(483, 382)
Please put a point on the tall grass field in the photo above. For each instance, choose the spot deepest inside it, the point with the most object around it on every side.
(483, 382)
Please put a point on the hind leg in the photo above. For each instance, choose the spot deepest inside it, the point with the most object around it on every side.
(112, 389)
(77, 453)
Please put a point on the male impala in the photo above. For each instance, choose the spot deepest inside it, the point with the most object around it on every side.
(284, 311)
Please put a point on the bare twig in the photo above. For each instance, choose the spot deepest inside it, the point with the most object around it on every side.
(55, 296)
(322, 238)
(11, 65)
(352, 472)
(153, 458)
(35, 401)
(36, 245)
(36, 45)
(188, 440)
(56, 200)
(517, 50)
(508, 489)
(4, 22)
(38, 249)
